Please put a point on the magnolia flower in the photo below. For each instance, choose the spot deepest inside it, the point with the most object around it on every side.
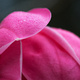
(30, 50)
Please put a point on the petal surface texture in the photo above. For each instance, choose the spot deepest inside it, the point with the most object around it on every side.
(10, 63)
(26, 24)
(20, 25)
(45, 59)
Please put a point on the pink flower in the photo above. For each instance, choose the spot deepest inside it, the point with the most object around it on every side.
(30, 53)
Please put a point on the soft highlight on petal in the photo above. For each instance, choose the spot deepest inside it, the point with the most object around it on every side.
(63, 42)
(45, 59)
(26, 24)
(72, 39)
(20, 25)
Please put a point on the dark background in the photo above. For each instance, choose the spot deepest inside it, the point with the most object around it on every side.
(65, 13)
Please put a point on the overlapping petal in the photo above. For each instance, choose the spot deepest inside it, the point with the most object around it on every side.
(72, 39)
(20, 25)
(52, 54)
(7, 37)
(63, 42)
(25, 24)
(15, 27)
(45, 59)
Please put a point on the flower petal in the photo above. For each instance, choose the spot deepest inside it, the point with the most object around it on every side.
(26, 24)
(10, 63)
(45, 59)
(63, 42)
(6, 39)
(20, 25)
(72, 39)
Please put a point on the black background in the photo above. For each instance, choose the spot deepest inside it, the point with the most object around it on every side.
(65, 13)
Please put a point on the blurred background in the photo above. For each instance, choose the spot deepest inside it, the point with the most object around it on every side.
(65, 13)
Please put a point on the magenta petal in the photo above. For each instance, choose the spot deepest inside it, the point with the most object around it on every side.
(72, 39)
(63, 42)
(43, 12)
(26, 24)
(10, 63)
(6, 39)
(45, 59)
(20, 25)
(23, 78)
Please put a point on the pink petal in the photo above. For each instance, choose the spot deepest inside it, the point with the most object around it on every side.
(63, 42)
(14, 26)
(72, 39)
(26, 24)
(22, 25)
(45, 59)
(6, 39)
(10, 63)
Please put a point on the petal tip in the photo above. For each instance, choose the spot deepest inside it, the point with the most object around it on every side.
(42, 11)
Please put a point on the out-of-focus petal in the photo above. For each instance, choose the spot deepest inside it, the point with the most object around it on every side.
(63, 42)
(26, 24)
(72, 39)
(45, 59)
(10, 63)
(23, 78)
